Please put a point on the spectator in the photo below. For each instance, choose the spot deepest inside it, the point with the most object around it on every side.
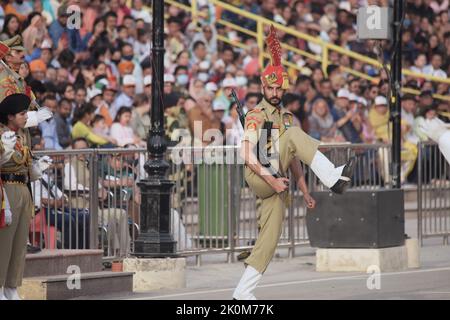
(77, 183)
(140, 118)
(434, 68)
(251, 100)
(21, 9)
(121, 130)
(125, 99)
(63, 128)
(379, 119)
(11, 27)
(82, 129)
(49, 127)
(321, 124)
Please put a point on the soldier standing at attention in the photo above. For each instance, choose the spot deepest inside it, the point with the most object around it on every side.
(17, 169)
(291, 144)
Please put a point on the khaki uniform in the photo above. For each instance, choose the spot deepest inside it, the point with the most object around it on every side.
(10, 81)
(13, 238)
(290, 142)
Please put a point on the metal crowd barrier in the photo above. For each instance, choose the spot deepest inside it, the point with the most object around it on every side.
(213, 210)
(433, 193)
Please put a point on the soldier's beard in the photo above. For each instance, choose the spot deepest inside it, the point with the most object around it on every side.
(275, 101)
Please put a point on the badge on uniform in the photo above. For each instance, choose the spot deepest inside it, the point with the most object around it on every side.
(287, 120)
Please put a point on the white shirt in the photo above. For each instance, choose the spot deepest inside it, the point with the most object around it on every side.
(434, 128)
(41, 192)
(123, 135)
(439, 73)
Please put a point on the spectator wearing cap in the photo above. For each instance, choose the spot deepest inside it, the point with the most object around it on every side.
(228, 85)
(379, 119)
(219, 108)
(169, 81)
(148, 86)
(95, 97)
(38, 69)
(125, 67)
(212, 86)
(125, 99)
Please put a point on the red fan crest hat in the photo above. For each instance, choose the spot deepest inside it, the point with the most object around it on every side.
(274, 72)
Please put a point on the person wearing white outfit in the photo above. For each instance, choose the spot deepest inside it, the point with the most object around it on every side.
(437, 130)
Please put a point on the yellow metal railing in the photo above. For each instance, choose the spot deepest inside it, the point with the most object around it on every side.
(259, 35)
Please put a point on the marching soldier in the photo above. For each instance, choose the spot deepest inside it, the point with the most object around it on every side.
(16, 171)
(291, 144)
(11, 82)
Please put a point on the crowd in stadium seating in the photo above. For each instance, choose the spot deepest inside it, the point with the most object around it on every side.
(98, 78)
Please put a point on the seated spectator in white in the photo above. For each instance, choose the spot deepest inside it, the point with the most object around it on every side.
(125, 99)
(73, 223)
(77, 185)
(434, 68)
(419, 63)
(122, 131)
(431, 126)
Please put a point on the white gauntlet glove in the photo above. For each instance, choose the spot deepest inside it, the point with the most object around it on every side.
(36, 117)
(44, 163)
(8, 140)
(39, 166)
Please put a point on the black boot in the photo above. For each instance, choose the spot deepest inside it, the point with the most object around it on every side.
(32, 249)
(341, 185)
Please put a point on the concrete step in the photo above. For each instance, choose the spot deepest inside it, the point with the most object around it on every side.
(63, 287)
(56, 262)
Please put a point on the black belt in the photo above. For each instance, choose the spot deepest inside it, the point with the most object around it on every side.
(14, 178)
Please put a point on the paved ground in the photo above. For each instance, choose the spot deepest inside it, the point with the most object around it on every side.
(295, 279)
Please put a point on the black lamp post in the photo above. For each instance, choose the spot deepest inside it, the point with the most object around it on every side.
(396, 75)
(155, 239)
